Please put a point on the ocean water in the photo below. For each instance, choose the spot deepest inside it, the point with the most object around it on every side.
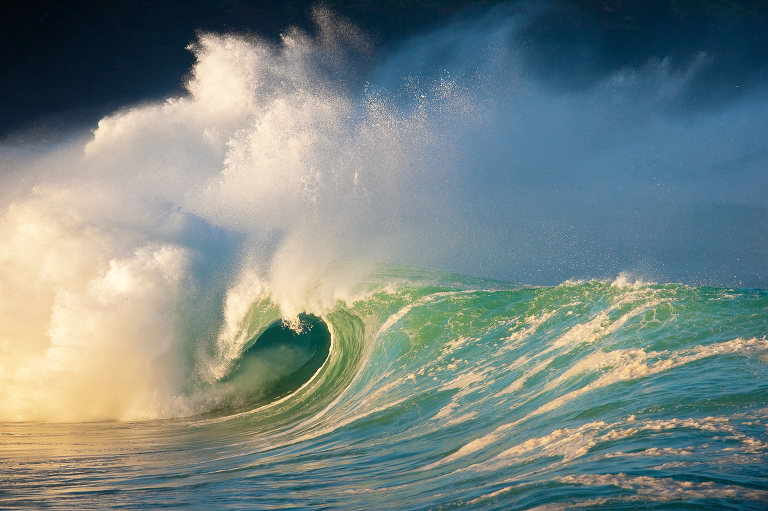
(220, 301)
(441, 391)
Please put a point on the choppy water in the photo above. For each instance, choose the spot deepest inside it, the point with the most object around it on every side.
(199, 306)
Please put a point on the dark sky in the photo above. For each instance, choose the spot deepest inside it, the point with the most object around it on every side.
(64, 62)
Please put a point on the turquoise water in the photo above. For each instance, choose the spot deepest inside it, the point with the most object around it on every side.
(442, 392)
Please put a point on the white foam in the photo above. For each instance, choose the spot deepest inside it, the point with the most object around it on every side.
(111, 345)
(566, 442)
(623, 365)
(666, 488)
(646, 488)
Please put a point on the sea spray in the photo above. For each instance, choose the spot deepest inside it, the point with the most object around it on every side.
(115, 266)
(138, 264)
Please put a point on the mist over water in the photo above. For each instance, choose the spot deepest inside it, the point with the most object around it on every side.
(625, 175)
(131, 258)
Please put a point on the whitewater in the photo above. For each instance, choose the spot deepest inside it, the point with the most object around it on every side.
(221, 300)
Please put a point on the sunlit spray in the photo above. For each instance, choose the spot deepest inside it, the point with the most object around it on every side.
(133, 261)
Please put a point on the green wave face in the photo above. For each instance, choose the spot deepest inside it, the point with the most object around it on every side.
(278, 362)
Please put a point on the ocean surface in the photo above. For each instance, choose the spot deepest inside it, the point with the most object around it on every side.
(221, 300)
(441, 391)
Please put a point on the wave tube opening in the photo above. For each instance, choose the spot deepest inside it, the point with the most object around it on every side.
(278, 362)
